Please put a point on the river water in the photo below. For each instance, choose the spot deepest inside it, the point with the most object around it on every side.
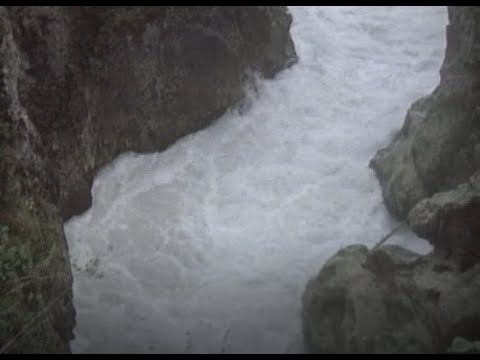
(207, 246)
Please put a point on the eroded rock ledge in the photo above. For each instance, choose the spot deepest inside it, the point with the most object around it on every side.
(79, 85)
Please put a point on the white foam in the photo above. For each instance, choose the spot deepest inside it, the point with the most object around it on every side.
(207, 246)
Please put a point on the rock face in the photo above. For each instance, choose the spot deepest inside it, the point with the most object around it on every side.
(451, 222)
(389, 301)
(79, 85)
(438, 147)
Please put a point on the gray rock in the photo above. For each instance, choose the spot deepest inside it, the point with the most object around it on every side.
(451, 222)
(389, 300)
(78, 86)
(437, 148)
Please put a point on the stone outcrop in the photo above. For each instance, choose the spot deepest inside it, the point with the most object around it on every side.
(389, 300)
(451, 222)
(81, 84)
(438, 147)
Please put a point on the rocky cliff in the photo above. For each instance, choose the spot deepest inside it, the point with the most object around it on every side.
(79, 85)
(438, 150)
(390, 300)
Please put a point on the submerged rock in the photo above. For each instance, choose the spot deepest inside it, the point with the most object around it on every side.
(389, 300)
(80, 85)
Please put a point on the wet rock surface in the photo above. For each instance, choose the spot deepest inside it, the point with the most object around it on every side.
(437, 147)
(451, 222)
(80, 85)
(389, 300)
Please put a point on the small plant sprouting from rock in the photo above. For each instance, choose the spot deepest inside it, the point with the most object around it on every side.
(15, 261)
(461, 345)
(30, 204)
(32, 277)
(3, 233)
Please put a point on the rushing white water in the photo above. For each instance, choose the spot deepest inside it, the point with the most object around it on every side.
(207, 246)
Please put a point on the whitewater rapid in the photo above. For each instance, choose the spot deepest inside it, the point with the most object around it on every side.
(207, 246)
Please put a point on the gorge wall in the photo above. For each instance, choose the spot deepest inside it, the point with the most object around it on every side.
(389, 300)
(438, 147)
(80, 85)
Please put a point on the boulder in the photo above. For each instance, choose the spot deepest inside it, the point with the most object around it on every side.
(389, 300)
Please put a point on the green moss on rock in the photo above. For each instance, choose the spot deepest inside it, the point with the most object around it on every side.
(34, 278)
(461, 345)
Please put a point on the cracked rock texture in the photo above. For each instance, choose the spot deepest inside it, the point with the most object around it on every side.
(78, 86)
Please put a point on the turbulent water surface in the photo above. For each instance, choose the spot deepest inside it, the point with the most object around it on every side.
(207, 246)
